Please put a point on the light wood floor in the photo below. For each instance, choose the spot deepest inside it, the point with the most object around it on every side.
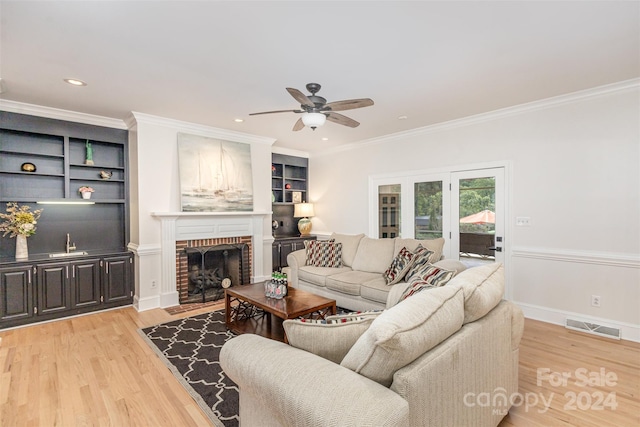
(95, 370)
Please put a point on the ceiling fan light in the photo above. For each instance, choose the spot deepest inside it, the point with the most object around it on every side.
(313, 120)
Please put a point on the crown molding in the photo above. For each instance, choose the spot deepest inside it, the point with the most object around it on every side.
(493, 115)
(137, 118)
(59, 114)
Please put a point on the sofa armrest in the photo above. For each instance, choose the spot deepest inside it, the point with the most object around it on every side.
(295, 260)
(298, 388)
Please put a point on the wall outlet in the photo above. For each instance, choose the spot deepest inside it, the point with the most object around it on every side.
(523, 221)
(595, 300)
(153, 284)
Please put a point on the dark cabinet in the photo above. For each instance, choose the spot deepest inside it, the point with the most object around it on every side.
(284, 246)
(85, 283)
(48, 290)
(16, 292)
(53, 288)
(117, 279)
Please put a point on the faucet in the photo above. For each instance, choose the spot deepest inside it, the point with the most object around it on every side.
(70, 247)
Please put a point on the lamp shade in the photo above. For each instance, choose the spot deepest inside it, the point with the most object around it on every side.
(313, 120)
(303, 210)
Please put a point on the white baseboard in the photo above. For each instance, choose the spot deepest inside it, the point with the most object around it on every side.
(143, 304)
(629, 331)
(169, 299)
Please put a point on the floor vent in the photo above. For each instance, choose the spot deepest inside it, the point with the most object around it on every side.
(593, 328)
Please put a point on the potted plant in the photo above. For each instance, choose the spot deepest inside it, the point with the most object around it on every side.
(20, 223)
(86, 192)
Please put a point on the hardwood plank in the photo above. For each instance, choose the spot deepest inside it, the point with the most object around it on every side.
(96, 370)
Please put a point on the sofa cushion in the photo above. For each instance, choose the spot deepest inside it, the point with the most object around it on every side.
(321, 253)
(374, 255)
(399, 266)
(349, 282)
(404, 332)
(376, 290)
(451, 264)
(483, 289)
(434, 245)
(331, 338)
(431, 277)
(318, 275)
(350, 245)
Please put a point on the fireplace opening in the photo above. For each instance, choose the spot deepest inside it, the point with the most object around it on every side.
(208, 266)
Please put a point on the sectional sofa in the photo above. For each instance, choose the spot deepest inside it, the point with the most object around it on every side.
(359, 282)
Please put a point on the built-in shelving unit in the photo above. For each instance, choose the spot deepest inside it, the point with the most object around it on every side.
(44, 160)
(289, 174)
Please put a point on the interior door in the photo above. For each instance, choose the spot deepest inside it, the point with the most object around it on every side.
(478, 216)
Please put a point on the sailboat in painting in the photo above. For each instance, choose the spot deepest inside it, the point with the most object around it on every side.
(215, 175)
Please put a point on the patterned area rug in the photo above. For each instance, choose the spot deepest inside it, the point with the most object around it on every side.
(190, 348)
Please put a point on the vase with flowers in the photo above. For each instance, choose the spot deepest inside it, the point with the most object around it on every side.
(86, 192)
(19, 222)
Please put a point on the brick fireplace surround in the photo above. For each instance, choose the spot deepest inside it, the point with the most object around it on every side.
(208, 227)
(182, 271)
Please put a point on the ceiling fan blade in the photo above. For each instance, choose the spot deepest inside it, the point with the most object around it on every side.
(348, 104)
(300, 97)
(277, 111)
(299, 125)
(341, 120)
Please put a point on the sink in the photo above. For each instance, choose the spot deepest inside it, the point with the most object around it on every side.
(66, 254)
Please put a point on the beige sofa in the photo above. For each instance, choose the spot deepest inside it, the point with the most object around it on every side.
(359, 284)
(434, 359)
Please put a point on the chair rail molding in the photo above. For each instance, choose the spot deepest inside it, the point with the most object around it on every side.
(583, 257)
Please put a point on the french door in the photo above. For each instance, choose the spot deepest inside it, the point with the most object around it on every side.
(466, 208)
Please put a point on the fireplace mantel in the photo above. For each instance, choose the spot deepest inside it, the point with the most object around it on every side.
(205, 225)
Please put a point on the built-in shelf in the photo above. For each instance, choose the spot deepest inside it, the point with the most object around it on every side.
(291, 172)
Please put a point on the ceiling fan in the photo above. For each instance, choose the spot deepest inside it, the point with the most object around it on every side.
(316, 110)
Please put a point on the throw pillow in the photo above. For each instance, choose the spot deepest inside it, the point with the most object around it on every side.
(483, 289)
(399, 266)
(422, 258)
(323, 253)
(431, 277)
(366, 314)
(330, 339)
(405, 332)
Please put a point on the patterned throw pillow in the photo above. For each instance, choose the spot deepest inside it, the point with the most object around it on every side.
(399, 266)
(422, 258)
(323, 253)
(430, 277)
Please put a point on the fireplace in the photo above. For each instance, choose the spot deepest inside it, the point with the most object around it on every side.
(202, 265)
(180, 230)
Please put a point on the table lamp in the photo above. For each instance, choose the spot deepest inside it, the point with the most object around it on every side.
(303, 211)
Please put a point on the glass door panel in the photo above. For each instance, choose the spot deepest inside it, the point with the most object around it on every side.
(389, 211)
(428, 210)
(478, 212)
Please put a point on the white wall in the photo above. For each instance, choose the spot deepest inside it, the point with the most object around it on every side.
(575, 164)
(155, 182)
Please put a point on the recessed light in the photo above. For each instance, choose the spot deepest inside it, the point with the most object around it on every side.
(75, 82)
(238, 120)
(402, 118)
(325, 139)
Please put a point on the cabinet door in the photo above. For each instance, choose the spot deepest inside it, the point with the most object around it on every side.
(16, 292)
(117, 279)
(53, 290)
(286, 249)
(275, 256)
(85, 283)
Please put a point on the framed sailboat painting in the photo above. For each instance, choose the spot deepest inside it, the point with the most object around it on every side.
(215, 175)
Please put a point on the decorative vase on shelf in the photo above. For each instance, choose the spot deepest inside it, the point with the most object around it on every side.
(86, 195)
(22, 251)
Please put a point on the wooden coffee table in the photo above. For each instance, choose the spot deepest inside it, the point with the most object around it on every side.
(248, 310)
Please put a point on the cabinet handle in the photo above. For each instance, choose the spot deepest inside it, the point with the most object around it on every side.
(66, 267)
(29, 276)
(106, 264)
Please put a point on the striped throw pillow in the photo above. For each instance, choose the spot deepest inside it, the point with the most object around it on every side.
(430, 277)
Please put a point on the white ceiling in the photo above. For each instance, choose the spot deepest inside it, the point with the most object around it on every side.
(209, 62)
